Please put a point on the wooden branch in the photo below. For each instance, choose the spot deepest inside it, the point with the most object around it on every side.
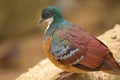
(45, 70)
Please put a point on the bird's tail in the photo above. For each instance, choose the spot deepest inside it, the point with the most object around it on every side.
(111, 66)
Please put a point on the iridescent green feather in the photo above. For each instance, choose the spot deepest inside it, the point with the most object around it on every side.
(58, 39)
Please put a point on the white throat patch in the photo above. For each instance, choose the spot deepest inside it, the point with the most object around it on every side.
(49, 21)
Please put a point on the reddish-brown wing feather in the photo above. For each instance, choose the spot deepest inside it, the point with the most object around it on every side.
(93, 50)
(95, 54)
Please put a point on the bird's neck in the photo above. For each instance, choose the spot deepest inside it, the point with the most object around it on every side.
(49, 21)
(53, 24)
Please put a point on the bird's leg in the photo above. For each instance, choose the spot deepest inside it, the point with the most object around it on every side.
(64, 75)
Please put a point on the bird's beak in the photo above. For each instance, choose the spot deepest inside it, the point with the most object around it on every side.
(40, 21)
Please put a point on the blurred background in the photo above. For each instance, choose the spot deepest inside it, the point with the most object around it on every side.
(21, 38)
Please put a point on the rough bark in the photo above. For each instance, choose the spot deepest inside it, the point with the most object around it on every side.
(45, 70)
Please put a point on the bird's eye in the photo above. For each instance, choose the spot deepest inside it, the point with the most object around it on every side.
(48, 14)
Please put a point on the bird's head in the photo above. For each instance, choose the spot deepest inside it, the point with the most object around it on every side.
(50, 14)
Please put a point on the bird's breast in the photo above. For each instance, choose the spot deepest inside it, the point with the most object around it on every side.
(46, 47)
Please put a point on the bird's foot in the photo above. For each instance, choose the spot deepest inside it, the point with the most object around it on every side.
(64, 75)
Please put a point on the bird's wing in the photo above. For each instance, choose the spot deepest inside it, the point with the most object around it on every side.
(73, 46)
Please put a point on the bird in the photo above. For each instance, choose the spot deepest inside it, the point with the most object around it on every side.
(73, 49)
